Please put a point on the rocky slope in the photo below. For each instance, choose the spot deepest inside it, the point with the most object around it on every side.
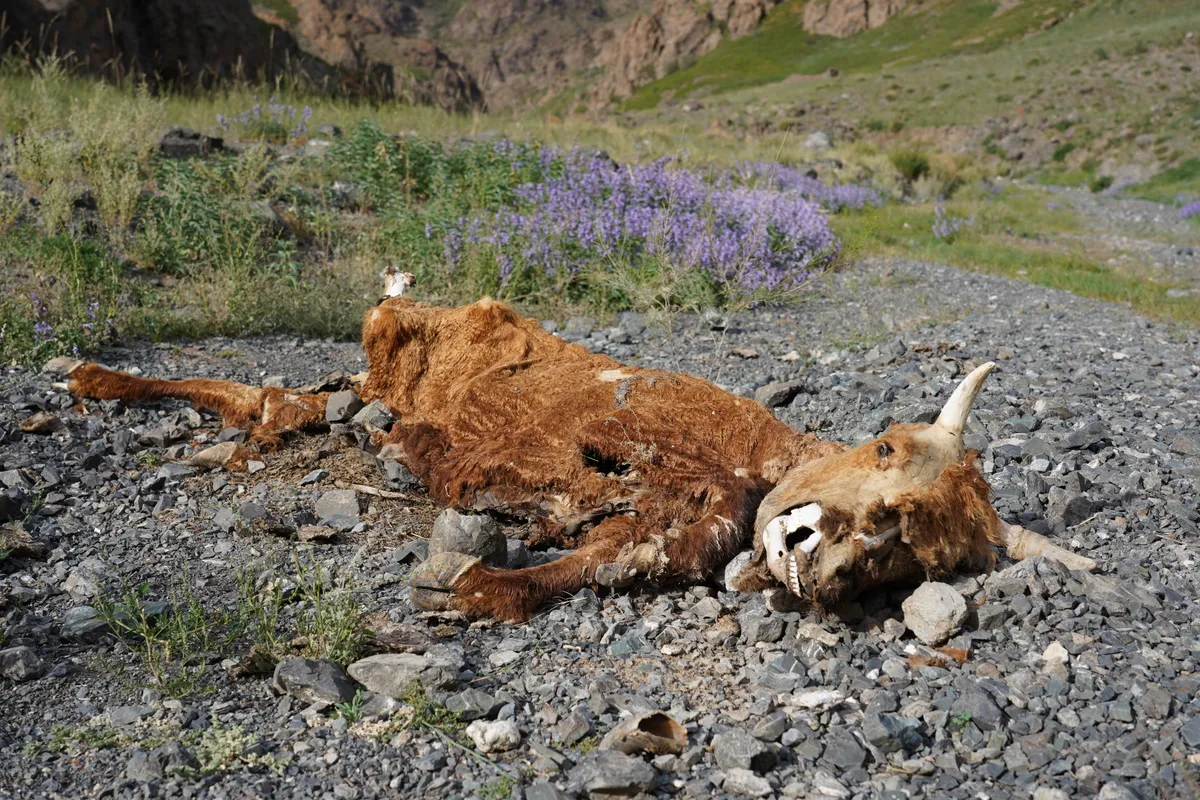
(173, 40)
(846, 17)
(509, 53)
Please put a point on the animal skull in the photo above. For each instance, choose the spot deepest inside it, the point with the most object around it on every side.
(870, 514)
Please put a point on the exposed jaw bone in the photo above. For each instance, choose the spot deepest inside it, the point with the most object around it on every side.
(879, 544)
(784, 565)
(395, 282)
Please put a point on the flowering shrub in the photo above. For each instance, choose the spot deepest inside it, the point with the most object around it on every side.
(946, 227)
(275, 122)
(597, 216)
(1190, 210)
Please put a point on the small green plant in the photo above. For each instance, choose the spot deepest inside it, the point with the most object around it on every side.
(173, 639)
(351, 711)
(219, 748)
(960, 719)
(499, 789)
(331, 624)
(911, 164)
(1100, 183)
(588, 744)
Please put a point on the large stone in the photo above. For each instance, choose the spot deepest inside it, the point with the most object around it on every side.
(609, 773)
(313, 680)
(745, 783)
(179, 142)
(934, 612)
(87, 580)
(473, 704)
(890, 733)
(20, 664)
(471, 534)
(394, 674)
(337, 503)
(497, 736)
(373, 417)
(737, 749)
(83, 624)
(342, 406)
(774, 395)
(160, 762)
(976, 706)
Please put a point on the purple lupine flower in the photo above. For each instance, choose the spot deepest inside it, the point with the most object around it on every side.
(1190, 210)
(947, 228)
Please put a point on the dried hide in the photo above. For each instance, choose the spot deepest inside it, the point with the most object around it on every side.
(647, 474)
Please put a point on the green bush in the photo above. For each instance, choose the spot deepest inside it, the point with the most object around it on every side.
(1062, 151)
(911, 164)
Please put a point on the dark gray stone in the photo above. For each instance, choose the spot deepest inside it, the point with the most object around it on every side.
(890, 733)
(977, 707)
(342, 406)
(737, 749)
(843, 751)
(313, 680)
(337, 503)
(774, 395)
(20, 664)
(608, 773)
(473, 704)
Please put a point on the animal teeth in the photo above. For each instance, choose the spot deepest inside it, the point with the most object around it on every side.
(793, 575)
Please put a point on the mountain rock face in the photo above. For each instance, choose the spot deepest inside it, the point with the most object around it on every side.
(846, 17)
(654, 44)
(170, 40)
(380, 48)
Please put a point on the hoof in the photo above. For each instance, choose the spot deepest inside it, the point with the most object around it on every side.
(432, 583)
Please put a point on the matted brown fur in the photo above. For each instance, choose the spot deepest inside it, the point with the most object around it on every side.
(660, 471)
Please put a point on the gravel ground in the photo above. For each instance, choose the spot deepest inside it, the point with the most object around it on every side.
(1070, 684)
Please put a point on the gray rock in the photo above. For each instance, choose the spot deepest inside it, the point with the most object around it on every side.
(745, 783)
(163, 761)
(843, 750)
(314, 477)
(399, 478)
(542, 789)
(393, 674)
(313, 680)
(1116, 791)
(374, 417)
(473, 534)
(342, 406)
(608, 773)
(977, 707)
(182, 143)
(818, 140)
(774, 395)
(735, 567)
(87, 580)
(20, 664)
(737, 749)
(1190, 733)
(473, 704)
(934, 612)
(83, 624)
(1071, 507)
(890, 733)
(337, 503)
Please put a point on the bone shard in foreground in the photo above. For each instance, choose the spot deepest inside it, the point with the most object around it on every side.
(646, 474)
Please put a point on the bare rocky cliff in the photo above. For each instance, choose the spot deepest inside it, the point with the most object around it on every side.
(846, 17)
(674, 31)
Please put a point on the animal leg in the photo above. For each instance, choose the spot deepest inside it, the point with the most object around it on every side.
(266, 412)
(693, 552)
(457, 581)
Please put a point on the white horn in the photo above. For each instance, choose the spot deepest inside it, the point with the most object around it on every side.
(954, 415)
